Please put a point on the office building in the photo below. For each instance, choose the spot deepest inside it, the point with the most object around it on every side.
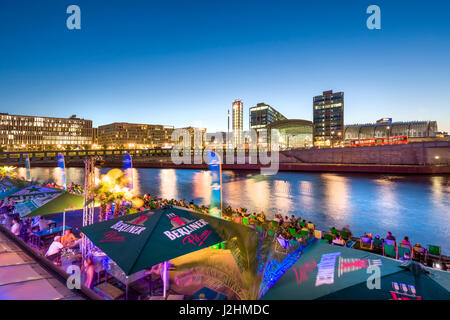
(35, 132)
(262, 115)
(238, 122)
(328, 119)
(133, 135)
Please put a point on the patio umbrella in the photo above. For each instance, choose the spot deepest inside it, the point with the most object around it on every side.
(9, 186)
(141, 240)
(328, 272)
(37, 201)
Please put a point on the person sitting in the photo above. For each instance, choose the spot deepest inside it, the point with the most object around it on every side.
(41, 223)
(16, 226)
(339, 240)
(405, 242)
(68, 238)
(389, 236)
(54, 249)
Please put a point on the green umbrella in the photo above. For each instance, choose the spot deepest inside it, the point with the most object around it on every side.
(329, 272)
(141, 240)
(37, 201)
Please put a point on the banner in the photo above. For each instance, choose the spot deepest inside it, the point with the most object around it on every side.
(27, 166)
(128, 169)
(62, 166)
(215, 169)
(33, 197)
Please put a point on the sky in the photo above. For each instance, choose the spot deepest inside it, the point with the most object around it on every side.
(183, 63)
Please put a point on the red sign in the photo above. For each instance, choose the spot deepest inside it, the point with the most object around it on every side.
(197, 240)
(111, 236)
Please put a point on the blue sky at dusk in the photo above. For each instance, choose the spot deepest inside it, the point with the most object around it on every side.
(183, 62)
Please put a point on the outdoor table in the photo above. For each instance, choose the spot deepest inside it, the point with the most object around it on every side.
(38, 235)
(210, 294)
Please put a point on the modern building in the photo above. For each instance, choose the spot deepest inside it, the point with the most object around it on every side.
(262, 115)
(133, 135)
(197, 137)
(328, 118)
(238, 121)
(292, 133)
(411, 129)
(34, 132)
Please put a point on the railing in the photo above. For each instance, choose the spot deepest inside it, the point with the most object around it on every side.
(52, 155)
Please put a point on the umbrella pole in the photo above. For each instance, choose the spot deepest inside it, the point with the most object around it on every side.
(165, 278)
(64, 221)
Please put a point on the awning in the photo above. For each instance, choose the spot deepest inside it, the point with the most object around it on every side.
(338, 273)
(37, 201)
(141, 240)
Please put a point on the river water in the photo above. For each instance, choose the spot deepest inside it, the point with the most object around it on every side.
(416, 206)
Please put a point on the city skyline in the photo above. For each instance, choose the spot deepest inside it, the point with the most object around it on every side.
(174, 71)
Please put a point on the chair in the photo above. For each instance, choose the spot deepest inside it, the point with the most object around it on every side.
(345, 235)
(401, 250)
(281, 243)
(294, 233)
(328, 237)
(365, 243)
(389, 251)
(419, 253)
(271, 232)
(293, 243)
(377, 242)
(304, 233)
(434, 251)
(317, 234)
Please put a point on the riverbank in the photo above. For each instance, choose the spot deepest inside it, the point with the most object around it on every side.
(286, 167)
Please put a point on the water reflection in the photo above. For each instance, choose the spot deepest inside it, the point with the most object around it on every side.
(416, 206)
(168, 184)
(337, 195)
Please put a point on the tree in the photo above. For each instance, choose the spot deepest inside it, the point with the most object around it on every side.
(112, 189)
(8, 171)
(251, 252)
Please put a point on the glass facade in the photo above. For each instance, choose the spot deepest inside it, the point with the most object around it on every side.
(262, 114)
(328, 118)
(293, 134)
(32, 131)
(238, 121)
(411, 129)
(124, 134)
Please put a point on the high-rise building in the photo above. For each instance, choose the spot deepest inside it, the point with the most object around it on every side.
(328, 118)
(262, 115)
(122, 134)
(18, 131)
(238, 122)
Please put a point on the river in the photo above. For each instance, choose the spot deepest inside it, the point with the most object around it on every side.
(416, 206)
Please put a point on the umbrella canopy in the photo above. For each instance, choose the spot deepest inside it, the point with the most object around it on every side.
(141, 240)
(37, 201)
(9, 186)
(339, 273)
